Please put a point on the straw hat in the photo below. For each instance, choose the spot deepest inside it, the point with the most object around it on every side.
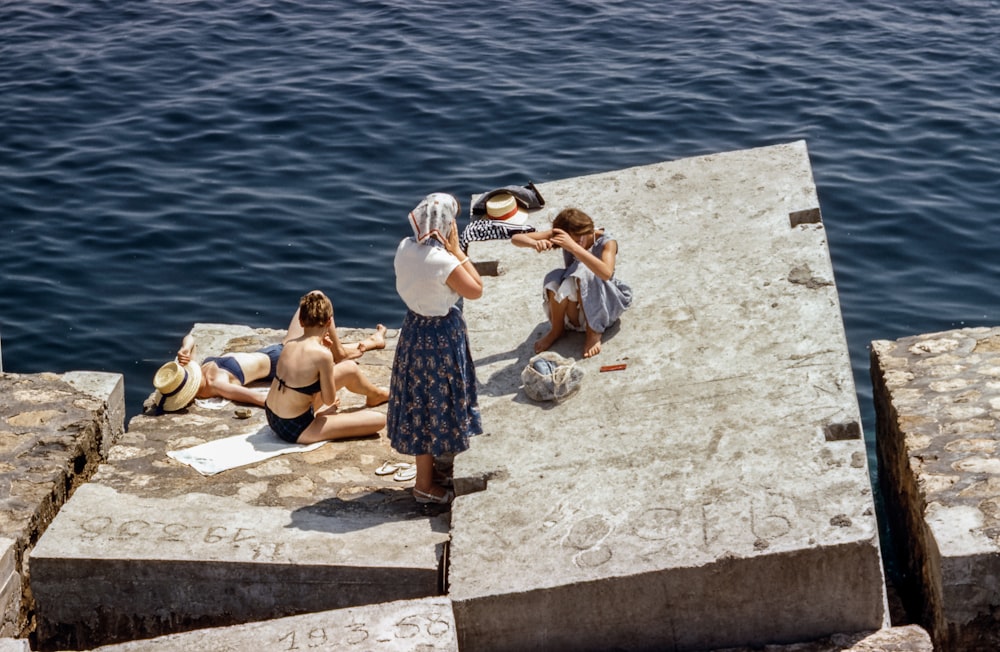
(504, 207)
(176, 385)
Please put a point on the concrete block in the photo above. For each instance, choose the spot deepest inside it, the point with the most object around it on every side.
(50, 438)
(10, 589)
(908, 638)
(151, 547)
(426, 625)
(937, 397)
(108, 388)
(713, 492)
(115, 567)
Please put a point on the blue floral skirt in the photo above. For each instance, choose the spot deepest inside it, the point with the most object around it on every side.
(433, 405)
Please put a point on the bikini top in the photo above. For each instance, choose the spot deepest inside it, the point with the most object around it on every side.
(308, 389)
(230, 364)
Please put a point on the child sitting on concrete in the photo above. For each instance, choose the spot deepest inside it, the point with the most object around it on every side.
(584, 295)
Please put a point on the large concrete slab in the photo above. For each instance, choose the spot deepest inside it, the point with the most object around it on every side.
(716, 491)
(937, 398)
(152, 547)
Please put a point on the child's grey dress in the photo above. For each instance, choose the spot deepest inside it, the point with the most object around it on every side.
(603, 301)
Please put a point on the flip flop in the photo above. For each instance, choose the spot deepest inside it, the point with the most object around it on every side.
(388, 468)
(405, 474)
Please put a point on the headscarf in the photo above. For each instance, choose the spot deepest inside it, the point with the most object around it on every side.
(434, 216)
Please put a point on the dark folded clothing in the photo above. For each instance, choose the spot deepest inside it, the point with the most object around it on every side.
(527, 197)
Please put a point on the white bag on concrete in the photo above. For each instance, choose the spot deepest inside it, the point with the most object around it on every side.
(551, 377)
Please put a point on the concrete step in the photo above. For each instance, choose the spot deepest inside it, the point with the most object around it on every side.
(404, 626)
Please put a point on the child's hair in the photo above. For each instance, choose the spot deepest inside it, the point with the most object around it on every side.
(315, 309)
(573, 221)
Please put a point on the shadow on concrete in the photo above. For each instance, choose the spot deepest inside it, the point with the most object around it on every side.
(368, 510)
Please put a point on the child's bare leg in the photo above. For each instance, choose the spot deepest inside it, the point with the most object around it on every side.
(375, 341)
(348, 374)
(557, 316)
(592, 339)
(591, 343)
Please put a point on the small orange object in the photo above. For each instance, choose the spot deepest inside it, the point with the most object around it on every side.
(613, 367)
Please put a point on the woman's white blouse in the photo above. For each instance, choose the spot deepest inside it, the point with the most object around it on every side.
(422, 272)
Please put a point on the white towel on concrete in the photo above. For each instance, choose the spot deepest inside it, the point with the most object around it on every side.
(239, 450)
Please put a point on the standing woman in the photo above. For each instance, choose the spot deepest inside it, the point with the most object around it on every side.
(433, 406)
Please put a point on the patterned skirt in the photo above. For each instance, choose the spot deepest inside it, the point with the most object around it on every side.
(433, 405)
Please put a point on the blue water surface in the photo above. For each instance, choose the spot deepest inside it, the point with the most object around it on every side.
(166, 163)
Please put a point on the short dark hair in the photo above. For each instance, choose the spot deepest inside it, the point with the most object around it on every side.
(315, 309)
(573, 221)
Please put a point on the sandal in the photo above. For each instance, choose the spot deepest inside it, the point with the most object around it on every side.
(424, 497)
(405, 473)
(388, 468)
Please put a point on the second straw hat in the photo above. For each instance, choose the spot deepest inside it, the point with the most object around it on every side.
(504, 208)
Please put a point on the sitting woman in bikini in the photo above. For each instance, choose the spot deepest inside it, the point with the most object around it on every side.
(302, 404)
(229, 374)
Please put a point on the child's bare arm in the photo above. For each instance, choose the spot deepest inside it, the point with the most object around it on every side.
(603, 267)
(537, 240)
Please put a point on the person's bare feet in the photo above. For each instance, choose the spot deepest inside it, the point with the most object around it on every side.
(378, 398)
(374, 342)
(591, 344)
(546, 341)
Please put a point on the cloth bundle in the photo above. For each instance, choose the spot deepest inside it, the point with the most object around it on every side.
(550, 377)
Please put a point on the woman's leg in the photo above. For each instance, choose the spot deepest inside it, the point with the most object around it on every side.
(294, 328)
(373, 342)
(424, 483)
(331, 424)
(347, 373)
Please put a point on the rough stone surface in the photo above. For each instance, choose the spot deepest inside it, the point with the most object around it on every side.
(51, 435)
(714, 492)
(426, 625)
(937, 399)
(10, 589)
(152, 547)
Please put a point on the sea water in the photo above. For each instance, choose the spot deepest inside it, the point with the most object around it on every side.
(170, 162)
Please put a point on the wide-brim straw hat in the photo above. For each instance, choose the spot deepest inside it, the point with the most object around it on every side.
(504, 208)
(176, 385)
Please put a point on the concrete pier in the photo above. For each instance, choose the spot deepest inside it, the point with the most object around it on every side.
(712, 494)
(937, 400)
(715, 492)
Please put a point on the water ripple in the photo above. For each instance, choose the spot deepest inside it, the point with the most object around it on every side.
(171, 163)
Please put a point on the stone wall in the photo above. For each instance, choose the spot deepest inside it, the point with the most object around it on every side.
(937, 404)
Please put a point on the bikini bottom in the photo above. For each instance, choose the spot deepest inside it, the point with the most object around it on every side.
(288, 429)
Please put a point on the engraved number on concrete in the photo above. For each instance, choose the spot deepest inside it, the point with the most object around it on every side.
(433, 624)
(429, 624)
(104, 526)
